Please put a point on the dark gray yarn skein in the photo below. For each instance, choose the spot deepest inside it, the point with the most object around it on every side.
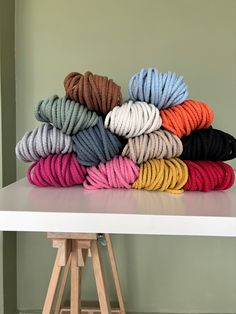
(95, 144)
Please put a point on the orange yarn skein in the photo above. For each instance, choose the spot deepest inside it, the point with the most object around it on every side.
(186, 117)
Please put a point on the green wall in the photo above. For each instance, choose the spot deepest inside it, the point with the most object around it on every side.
(8, 108)
(1, 234)
(1, 275)
(117, 38)
(8, 299)
(0, 122)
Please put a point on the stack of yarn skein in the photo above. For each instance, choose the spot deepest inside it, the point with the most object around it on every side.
(157, 140)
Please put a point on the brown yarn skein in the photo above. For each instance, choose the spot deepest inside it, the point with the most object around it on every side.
(96, 92)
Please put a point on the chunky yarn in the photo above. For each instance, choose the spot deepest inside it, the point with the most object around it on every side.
(56, 170)
(120, 172)
(190, 115)
(209, 144)
(133, 119)
(95, 145)
(96, 92)
(158, 144)
(168, 175)
(65, 114)
(160, 89)
(208, 175)
(41, 142)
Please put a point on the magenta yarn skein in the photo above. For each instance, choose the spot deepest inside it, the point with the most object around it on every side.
(57, 170)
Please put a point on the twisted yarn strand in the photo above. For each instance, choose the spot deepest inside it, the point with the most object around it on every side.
(208, 175)
(190, 115)
(65, 114)
(133, 119)
(161, 89)
(56, 170)
(120, 172)
(209, 144)
(168, 175)
(96, 92)
(156, 145)
(95, 145)
(41, 142)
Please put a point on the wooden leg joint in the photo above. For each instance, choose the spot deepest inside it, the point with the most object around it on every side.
(64, 249)
(72, 252)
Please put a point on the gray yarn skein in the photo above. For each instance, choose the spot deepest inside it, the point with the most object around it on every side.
(65, 114)
(96, 144)
(41, 142)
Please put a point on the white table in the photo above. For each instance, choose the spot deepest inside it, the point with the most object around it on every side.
(71, 214)
(27, 208)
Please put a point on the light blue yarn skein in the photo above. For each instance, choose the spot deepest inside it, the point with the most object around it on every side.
(160, 89)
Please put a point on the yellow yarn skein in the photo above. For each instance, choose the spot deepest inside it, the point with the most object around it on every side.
(168, 175)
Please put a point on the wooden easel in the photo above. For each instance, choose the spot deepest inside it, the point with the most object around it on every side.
(72, 252)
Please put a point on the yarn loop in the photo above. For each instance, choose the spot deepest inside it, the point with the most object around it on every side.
(158, 144)
(209, 144)
(65, 114)
(96, 92)
(168, 175)
(41, 142)
(120, 172)
(160, 89)
(133, 119)
(187, 117)
(95, 145)
(56, 170)
(208, 175)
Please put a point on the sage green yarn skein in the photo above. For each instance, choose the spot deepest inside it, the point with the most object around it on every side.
(65, 114)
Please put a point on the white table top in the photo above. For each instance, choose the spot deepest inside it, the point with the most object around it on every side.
(27, 208)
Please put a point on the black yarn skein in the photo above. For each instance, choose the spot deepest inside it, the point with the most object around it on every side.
(95, 144)
(209, 144)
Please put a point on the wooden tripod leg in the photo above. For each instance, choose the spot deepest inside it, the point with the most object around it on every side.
(62, 286)
(52, 285)
(115, 274)
(100, 279)
(75, 306)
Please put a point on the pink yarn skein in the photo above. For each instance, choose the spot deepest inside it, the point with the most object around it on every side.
(120, 172)
(57, 170)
